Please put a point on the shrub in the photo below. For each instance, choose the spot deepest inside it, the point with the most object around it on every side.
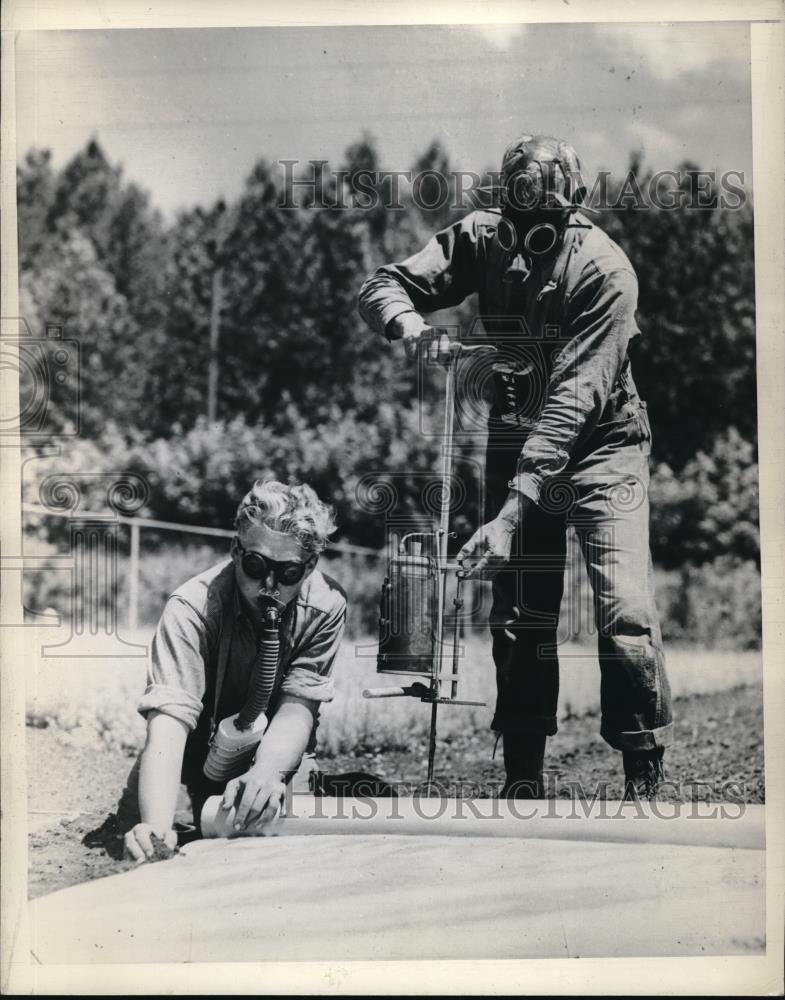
(716, 605)
(710, 509)
(361, 578)
(163, 567)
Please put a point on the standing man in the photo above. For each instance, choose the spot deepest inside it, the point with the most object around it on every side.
(241, 661)
(568, 443)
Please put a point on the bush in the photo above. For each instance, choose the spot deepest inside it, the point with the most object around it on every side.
(163, 568)
(716, 605)
(704, 521)
(710, 509)
(369, 471)
(361, 577)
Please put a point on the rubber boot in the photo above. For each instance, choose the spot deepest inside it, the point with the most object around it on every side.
(643, 774)
(524, 757)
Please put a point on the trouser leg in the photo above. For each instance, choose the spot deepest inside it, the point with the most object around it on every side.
(611, 518)
(524, 621)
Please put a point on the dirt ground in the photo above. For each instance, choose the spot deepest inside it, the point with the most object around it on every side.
(718, 755)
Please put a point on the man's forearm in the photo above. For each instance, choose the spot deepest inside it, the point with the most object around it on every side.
(285, 741)
(159, 770)
(381, 301)
(406, 323)
(514, 508)
(440, 275)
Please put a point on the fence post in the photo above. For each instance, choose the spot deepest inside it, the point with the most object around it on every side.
(133, 580)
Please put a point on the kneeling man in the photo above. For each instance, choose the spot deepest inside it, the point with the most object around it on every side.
(241, 660)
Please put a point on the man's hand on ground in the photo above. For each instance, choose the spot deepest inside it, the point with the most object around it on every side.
(258, 796)
(139, 845)
(488, 550)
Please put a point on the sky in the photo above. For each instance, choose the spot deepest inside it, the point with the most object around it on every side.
(187, 112)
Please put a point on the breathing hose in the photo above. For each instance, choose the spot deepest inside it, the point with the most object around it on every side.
(236, 738)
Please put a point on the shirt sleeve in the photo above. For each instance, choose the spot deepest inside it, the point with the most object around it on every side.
(442, 274)
(600, 322)
(176, 673)
(310, 673)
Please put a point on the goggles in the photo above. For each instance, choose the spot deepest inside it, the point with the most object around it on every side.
(536, 241)
(258, 567)
(535, 209)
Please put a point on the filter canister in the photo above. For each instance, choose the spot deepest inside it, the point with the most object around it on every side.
(407, 626)
(232, 749)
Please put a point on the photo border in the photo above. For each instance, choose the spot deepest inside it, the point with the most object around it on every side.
(614, 976)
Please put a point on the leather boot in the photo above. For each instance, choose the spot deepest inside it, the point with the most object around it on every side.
(643, 774)
(524, 756)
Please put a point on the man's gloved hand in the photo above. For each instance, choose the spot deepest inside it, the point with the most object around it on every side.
(491, 544)
(488, 550)
(433, 342)
(140, 846)
(258, 795)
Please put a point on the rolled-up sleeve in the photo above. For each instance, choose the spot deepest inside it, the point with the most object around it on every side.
(442, 274)
(176, 672)
(310, 674)
(600, 322)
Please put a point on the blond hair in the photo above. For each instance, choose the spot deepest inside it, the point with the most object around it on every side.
(296, 510)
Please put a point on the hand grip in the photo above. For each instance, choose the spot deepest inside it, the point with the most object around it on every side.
(416, 690)
(398, 692)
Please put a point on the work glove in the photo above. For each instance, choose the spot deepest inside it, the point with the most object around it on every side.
(488, 550)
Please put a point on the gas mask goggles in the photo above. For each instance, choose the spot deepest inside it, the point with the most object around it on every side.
(258, 567)
(534, 216)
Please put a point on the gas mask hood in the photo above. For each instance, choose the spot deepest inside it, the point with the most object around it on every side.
(541, 187)
(538, 170)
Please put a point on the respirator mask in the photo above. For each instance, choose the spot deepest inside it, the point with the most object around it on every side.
(540, 191)
(541, 187)
(531, 223)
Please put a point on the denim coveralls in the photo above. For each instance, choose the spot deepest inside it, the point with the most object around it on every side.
(568, 429)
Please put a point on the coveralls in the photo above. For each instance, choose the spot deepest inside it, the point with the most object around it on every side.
(568, 429)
